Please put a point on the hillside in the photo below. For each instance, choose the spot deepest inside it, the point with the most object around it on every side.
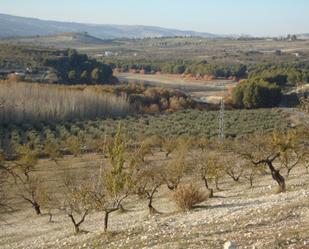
(252, 217)
(64, 40)
(14, 26)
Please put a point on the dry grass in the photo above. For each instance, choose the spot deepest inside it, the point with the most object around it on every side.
(28, 103)
(186, 196)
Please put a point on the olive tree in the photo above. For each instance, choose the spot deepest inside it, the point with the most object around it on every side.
(74, 145)
(148, 181)
(29, 186)
(234, 166)
(263, 150)
(30, 191)
(74, 199)
(251, 172)
(27, 158)
(177, 167)
(113, 183)
(292, 151)
(52, 148)
(210, 169)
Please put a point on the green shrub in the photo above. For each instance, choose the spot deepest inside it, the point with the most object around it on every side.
(256, 94)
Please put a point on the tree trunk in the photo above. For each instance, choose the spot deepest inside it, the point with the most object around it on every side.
(236, 179)
(167, 154)
(50, 217)
(277, 177)
(288, 172)
(37, 208)
(217, 185)
(106, 221)
(76, 225)
(122, 209)
(27, 176)
(251, 181)
(76, 228)
(211, 191)
(151, 209)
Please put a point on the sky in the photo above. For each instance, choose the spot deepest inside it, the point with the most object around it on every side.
(252, 17)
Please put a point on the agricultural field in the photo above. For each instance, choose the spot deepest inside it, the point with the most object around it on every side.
(148, 142)
(145, 166)
(218, 52)
(187, 123)
(214, 51)
(249, 216)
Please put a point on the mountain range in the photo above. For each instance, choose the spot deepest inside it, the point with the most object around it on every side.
(15, 26)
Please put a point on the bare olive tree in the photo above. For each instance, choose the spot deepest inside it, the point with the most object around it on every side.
(149, 180)
(261, 149)
(251, 172)
(177, 167)
(292, 149)
(29, 186)
(234, 166)
(30, 191)
(210, 168)
(74, 198)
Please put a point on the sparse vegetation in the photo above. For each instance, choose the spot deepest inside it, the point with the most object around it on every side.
(186, 196)
(74, 201)
(116, 162)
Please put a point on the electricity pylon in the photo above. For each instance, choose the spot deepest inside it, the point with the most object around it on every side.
(221, 120)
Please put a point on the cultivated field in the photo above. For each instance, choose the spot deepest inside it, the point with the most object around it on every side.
(142, 165)
(214, 51)
(183, 48)
(252, 217)
(187, 123)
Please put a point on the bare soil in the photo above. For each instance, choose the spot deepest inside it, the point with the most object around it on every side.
(252, 217)
(210, 91)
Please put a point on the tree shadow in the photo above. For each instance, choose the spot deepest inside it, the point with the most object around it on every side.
(227, 205)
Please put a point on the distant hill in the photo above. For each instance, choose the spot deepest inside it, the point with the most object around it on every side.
(14, 26)
(60, 40)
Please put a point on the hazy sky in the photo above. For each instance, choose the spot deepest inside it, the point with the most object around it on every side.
(257, 17)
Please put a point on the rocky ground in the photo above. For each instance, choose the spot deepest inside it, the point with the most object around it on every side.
(251, 217)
